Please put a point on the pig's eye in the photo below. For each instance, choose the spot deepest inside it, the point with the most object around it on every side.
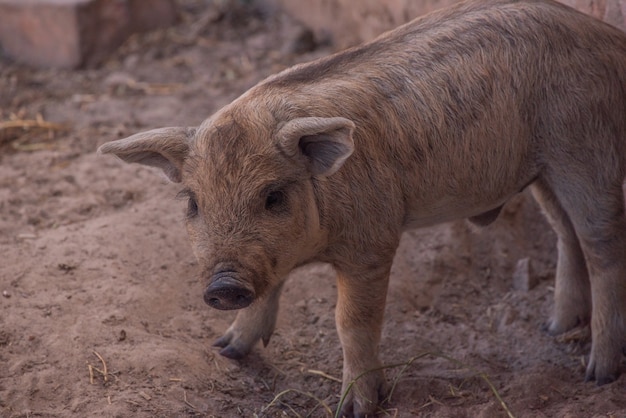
(275, 200)
(192, 203)
(192, 207)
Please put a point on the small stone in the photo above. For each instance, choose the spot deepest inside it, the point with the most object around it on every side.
(301, 305)
(524, 278)
(6, 294)
(509, 315)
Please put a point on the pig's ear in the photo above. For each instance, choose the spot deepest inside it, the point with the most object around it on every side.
(324, 142)
(165, 148)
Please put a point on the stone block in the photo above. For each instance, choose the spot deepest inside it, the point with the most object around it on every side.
(74, 33)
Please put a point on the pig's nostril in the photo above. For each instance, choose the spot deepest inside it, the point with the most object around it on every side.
(225, 295)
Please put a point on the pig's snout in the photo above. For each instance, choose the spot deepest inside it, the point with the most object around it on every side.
(227, 292)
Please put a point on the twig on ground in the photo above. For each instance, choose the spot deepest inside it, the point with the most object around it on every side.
(90, 367)
(189, 404)
(104, 372)
(323, 374)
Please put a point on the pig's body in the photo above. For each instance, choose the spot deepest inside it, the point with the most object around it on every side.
(444, 118)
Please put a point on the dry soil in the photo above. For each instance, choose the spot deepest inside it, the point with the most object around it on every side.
(101, 310)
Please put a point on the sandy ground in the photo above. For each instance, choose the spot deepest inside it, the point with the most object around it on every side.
(101, 311)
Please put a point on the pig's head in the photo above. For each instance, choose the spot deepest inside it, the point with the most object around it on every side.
(251, 185)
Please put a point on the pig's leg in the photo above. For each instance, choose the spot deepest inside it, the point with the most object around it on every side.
(359, 317)
(597, 213)
(254, 323)
(572, 292)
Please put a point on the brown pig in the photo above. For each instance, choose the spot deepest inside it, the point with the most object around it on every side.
(446, 117)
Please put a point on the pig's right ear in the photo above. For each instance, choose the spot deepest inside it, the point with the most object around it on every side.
(165, 148)
(323, 143)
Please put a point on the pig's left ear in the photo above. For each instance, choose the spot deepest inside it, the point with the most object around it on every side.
(324, 142)
(165, 148)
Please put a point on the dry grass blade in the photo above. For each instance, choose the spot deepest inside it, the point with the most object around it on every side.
(92, 375)
(323, 374)
(104, 372)
(90, 367)
(189, 404)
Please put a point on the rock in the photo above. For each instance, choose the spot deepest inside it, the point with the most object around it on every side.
(74, 33)
(524, 278)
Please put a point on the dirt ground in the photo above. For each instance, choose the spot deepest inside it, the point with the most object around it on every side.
(101, 312)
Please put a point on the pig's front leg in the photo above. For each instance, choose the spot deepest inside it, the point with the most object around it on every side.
(254, 323)
(359, 317)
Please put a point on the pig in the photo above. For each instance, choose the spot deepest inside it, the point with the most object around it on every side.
(446, 117)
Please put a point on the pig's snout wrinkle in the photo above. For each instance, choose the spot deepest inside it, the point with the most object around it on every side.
(226, 292)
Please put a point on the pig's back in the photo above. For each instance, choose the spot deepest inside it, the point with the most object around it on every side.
(466, 98)
(495, 38)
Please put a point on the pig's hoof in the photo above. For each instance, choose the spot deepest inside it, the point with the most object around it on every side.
(606, 380)
(556, 327)
(603, 369)
(229, 350)
(363, 399)
(222, 341)
(600, 381)
(601, 378)
(232, 353)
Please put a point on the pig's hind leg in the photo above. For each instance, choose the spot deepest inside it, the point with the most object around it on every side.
(594, 200)
(254, 323)
(572, 291)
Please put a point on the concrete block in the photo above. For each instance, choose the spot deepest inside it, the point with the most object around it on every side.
(74, 33)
